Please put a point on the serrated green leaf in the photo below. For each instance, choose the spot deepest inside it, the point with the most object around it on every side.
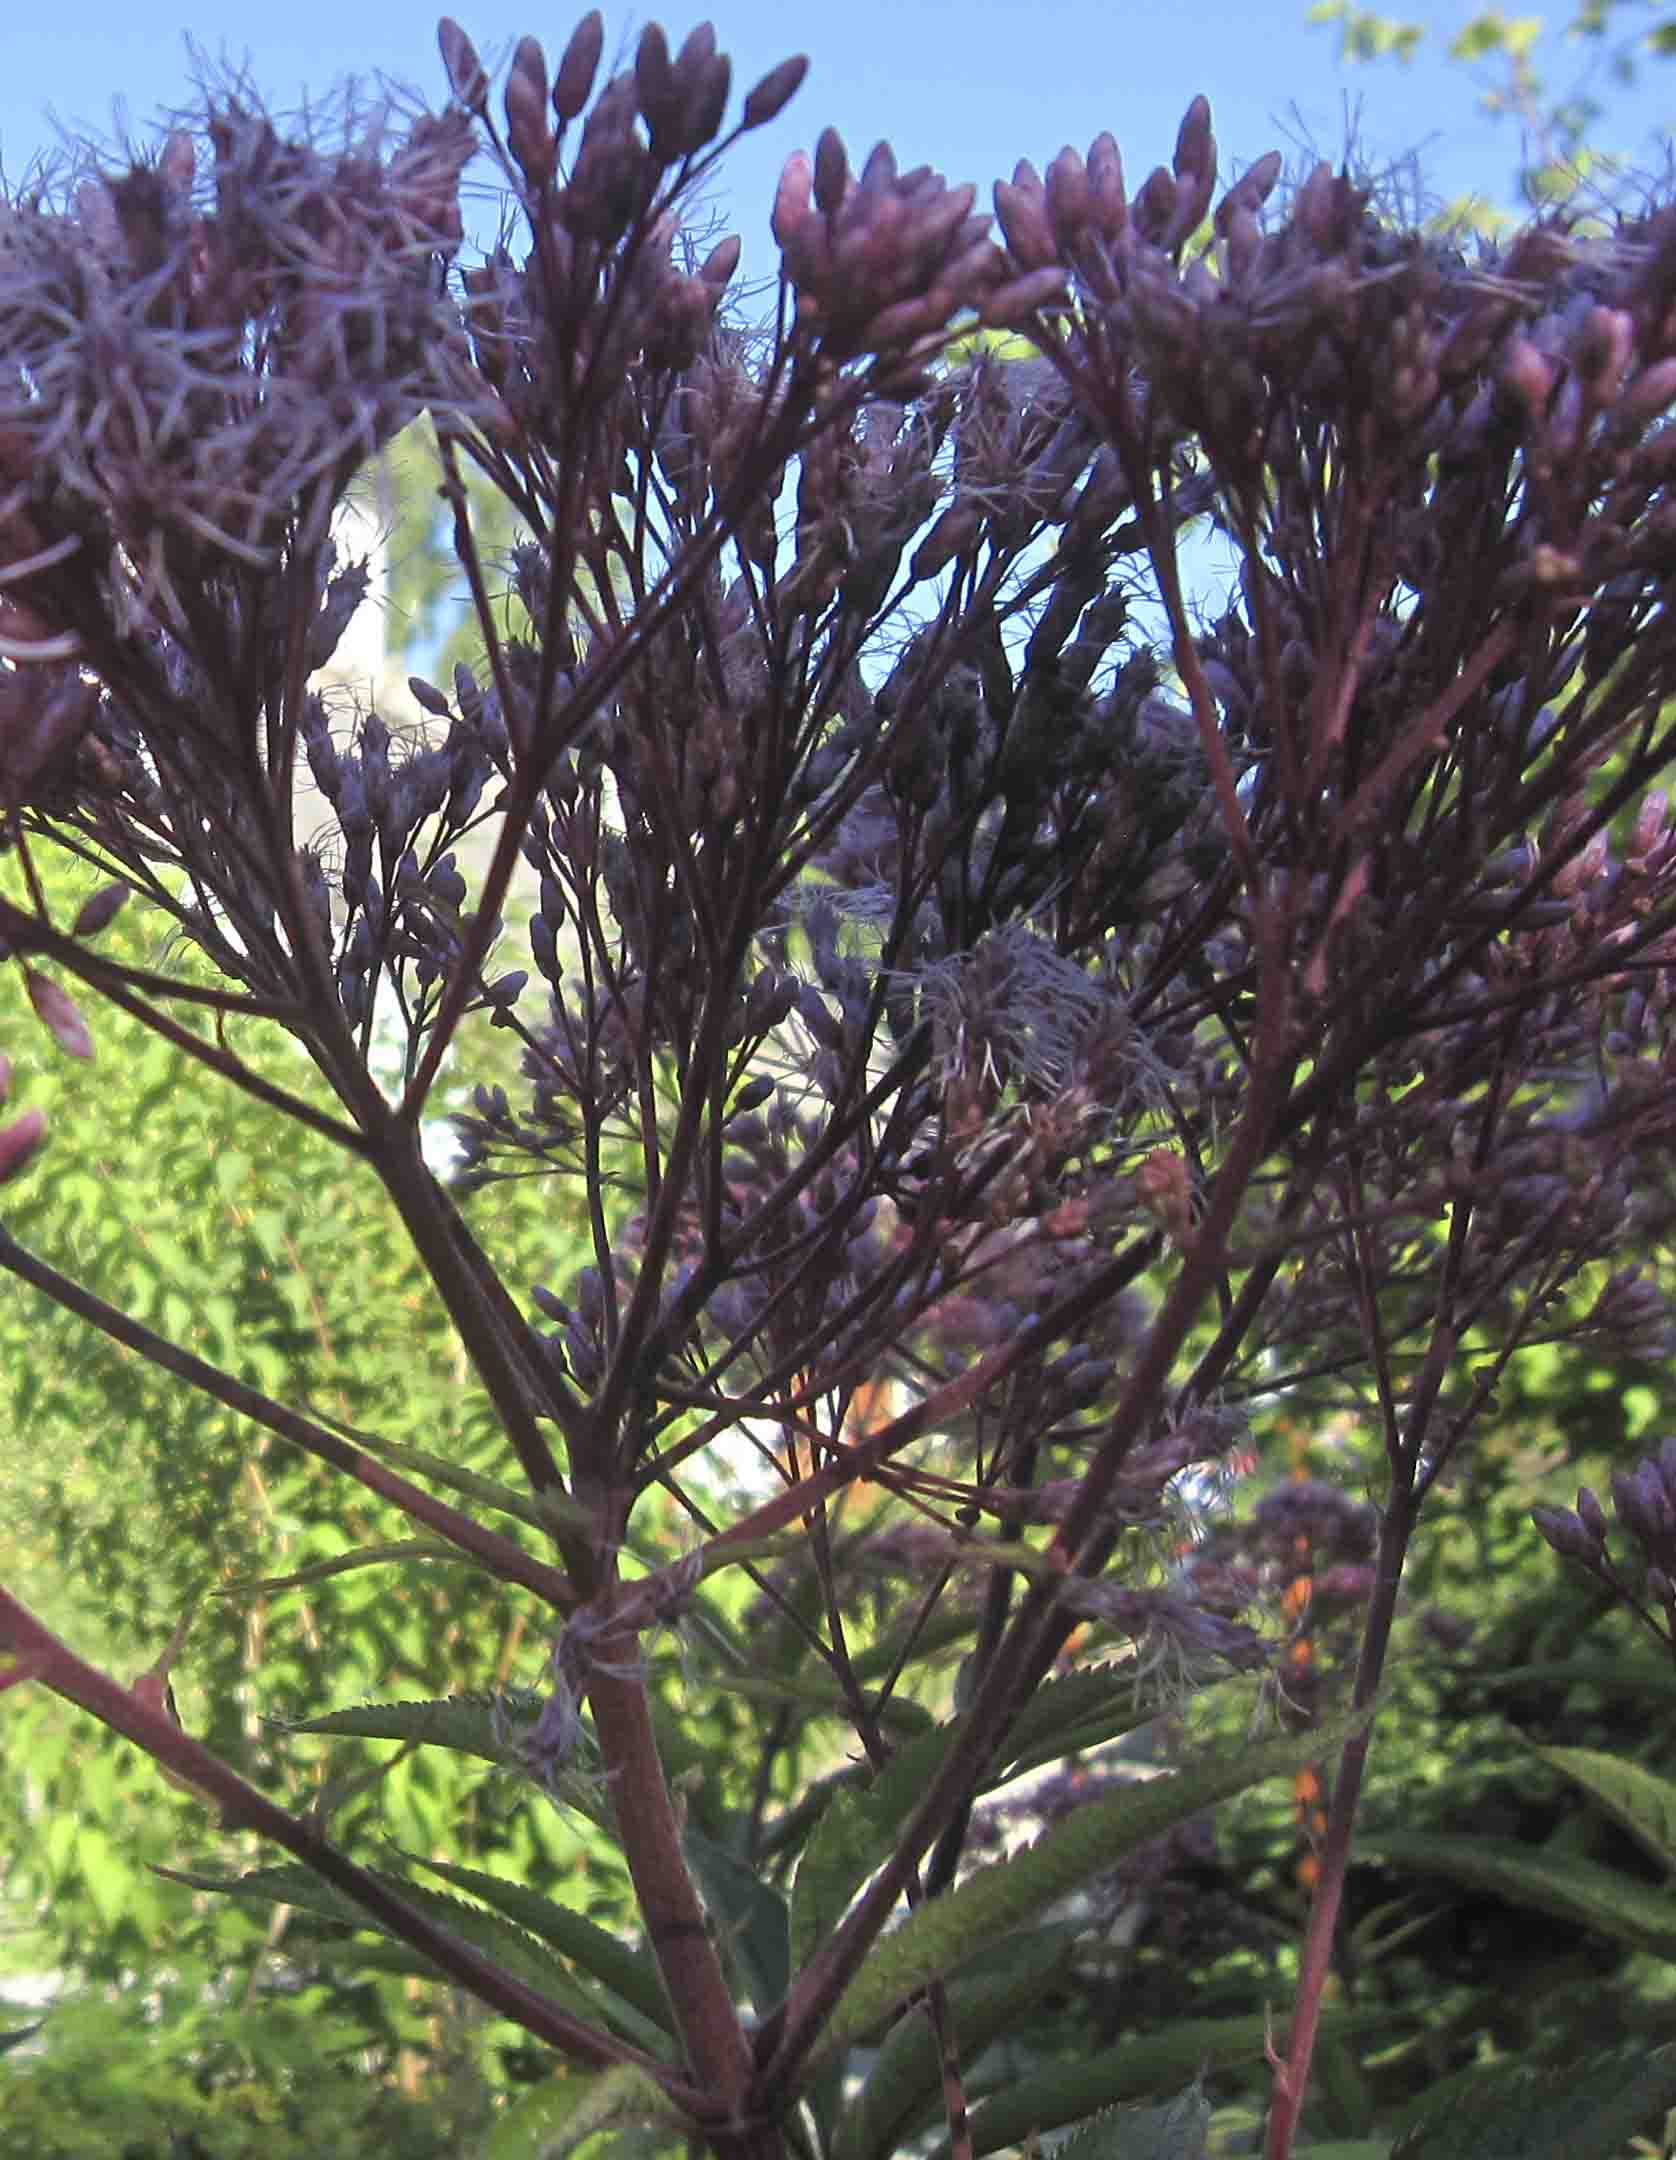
(1176, 2131)
(475, 1724)
(1587, 2111)
(516, 1952)
(1576, 1890)
(469, 1484)
(899, 1715)
(1066, 2092)
(1643, 1803)
(1634, 1673)
(630, 1976)
(552, 2119)
(755, 1926)
(346, 1564)
(1081, 1710)
(907, 2072)
(1007, 1894)
(847, 1844)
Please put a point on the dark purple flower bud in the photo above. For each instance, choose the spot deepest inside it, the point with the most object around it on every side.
(1591, 1515)
(706, 102)
(1108, 203)
(719, 265)
(468, 698)
(447, 885)
(775, 91)
(19, 1141)
(832, 171)
(1565, 1533)
(100, 910)
(1660, 1587)
(528, 136)
(1069, 197)
(428, 695)
(1021, 211)
(753, 1094)
(575, 78)
(58, 1014)
(554, 1307)
(464, 70)
(1644, 1506)
(657, 93)
(1021, 298)
(338, 607)
(544, 949)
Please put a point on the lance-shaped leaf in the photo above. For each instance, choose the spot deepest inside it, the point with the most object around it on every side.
(474, 1724)
(857, 1829)
(514, 1951)
(1576, 1890)
(903, 2093)
(999, 1898)
(750, 1916)
(346, 1564)
(1068, 2091)
(1503, 2111)
(468, 1484)
(1179, 2130)
(1643, 1803)
(629, 1974)
(1635, 1672)
(554, 2118)
(898, 1716)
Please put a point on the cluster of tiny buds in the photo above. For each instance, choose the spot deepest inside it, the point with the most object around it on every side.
(883, 262)
(1644, 1501)
(648, 131)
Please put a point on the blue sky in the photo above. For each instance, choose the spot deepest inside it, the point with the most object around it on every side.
(966, 85)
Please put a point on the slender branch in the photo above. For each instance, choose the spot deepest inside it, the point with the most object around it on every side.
(28, 932)
(507, 1559)
(787, 2039)
(242, 1807)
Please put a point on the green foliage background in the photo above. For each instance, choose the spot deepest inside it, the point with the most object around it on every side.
(129, 1501)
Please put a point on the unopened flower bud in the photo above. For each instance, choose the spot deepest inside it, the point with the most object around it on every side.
(775, 91)
(1647, 396)
(831, 171)
(575, 78)
(1591, 1514)
(528, 136)
(1643, 1505)
(465, 71)
(19, 1141)
(100, 910)
(57, 1013)
(1021, 212)
(1565, 1533)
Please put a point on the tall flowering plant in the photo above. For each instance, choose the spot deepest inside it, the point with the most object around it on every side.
(997, 1021)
